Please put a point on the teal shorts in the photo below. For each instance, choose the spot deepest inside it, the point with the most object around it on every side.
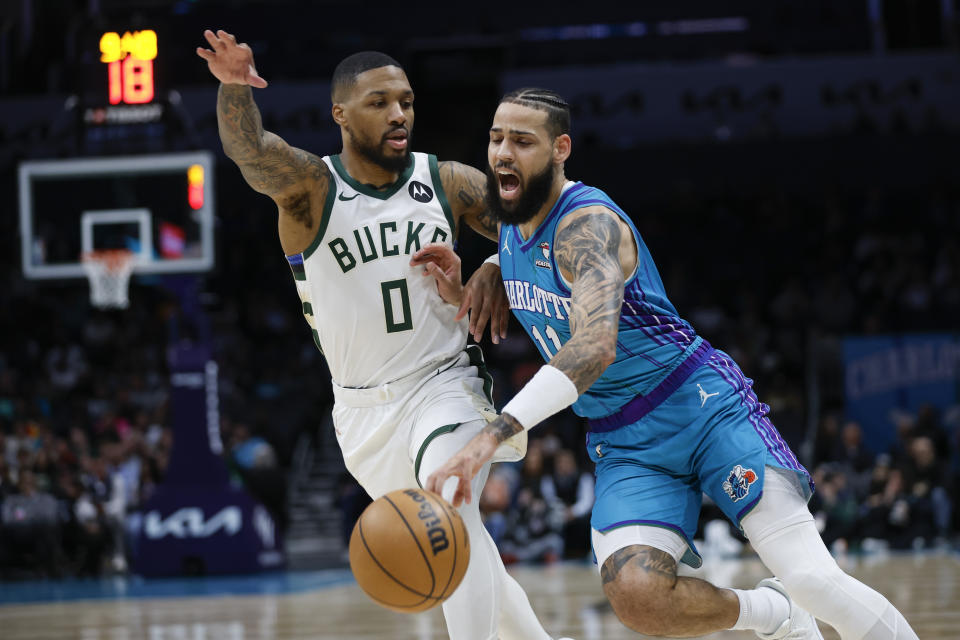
(712, 435)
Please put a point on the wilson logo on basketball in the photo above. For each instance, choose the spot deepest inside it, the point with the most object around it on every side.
(435, 532)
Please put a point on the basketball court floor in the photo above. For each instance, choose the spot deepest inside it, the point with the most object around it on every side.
(327, 605)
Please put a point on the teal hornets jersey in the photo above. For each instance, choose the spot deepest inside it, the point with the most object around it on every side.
(653, 339)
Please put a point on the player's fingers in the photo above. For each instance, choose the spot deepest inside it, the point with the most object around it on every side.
(421, 257)
(212, 39)
(448, 490)
(255, 80)
(465, 491)
(433, 482)
(504, 321)
(431, 269)
(223, 35)
(483, 317)
(464, 306)
(206, 54)
(495, 327)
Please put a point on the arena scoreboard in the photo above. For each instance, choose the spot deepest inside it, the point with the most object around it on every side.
(129, 60)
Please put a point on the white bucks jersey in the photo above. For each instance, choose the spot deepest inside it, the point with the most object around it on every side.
(376, 318)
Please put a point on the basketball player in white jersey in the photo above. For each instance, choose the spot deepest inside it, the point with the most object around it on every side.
(408, 392)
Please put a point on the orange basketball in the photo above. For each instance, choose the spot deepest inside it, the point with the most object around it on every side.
(409, 550)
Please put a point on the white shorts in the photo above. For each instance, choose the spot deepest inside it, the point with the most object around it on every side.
(383, 431)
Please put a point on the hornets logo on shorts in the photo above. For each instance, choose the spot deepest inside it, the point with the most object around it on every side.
(737, 484)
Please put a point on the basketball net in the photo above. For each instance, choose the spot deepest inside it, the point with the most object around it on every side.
(109, 273)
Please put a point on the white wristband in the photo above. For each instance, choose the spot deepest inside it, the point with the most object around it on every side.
(548, 392)
(494, 259)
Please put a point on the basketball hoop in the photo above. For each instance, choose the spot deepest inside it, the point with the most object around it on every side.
(109, 273)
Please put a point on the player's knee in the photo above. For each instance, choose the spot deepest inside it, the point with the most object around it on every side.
(640, 599)
(807, 584)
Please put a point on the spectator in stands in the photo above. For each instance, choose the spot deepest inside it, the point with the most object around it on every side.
(573, 489)
(31, 527)
(534, 524)
(495, 503)
(852, 452)
(926, 482)
(834, 507)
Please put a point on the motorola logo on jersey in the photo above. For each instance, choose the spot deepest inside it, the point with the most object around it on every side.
(420, 192)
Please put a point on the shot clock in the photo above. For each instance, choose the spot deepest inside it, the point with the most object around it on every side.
(129, 61)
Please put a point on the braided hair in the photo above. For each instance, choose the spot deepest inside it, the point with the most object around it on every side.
(558, 111)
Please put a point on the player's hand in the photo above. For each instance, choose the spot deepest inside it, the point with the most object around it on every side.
(442, 263)
(230, 62)
(464, 465)
(485, 297)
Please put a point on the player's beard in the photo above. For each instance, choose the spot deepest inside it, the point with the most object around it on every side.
(374, 152)
(525, 207)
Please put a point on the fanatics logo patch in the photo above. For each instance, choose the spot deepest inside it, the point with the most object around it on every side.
(420, 192)
(545, 249)
(737, 484)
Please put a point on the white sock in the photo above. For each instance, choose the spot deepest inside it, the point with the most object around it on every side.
(762, 609)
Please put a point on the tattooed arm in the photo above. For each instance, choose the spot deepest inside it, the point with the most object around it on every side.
(466, 188)
(483, 296)
(271, 166)
(588, 247)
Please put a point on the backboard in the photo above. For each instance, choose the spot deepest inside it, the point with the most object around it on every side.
(158, 206)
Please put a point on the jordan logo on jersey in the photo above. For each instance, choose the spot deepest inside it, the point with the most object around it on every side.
(737, 484)
(506, 247)
(704, 396)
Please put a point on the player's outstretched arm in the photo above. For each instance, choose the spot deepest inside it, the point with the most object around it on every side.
(587, 250)
(268, 164)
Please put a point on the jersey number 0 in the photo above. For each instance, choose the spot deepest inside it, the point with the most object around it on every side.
(396, 298)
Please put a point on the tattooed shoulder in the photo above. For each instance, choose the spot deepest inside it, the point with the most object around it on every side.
(590, 237)
(467, 189)
(304, 205)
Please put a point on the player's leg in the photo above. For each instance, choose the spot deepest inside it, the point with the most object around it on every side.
(638, 568)
(782, 531)
(488, 603)
(644, 518)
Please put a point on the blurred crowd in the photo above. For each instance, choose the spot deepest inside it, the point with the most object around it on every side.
(85, 435)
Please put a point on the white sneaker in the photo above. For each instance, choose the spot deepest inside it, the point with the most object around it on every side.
(799, 625)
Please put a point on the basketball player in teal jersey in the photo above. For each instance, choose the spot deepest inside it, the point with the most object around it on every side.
(669, 416)
(408, 391)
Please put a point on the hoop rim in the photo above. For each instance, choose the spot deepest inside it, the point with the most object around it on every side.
(111, 259)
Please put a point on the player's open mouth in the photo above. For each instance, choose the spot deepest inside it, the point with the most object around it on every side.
(398, 140)
(509, 184)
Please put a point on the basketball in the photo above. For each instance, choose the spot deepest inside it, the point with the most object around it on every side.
(409, 550)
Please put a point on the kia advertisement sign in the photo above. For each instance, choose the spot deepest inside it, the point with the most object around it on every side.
(197, 523)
